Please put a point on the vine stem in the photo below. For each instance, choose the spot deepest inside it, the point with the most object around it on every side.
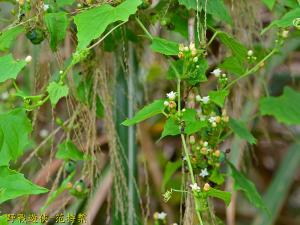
(186, 150)
(191, 173)
(252, 70)
(144, 28)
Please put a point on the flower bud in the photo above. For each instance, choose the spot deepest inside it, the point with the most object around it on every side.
(217, 153)
(206, 187)
(204, 151)
(192, 139)
(172, 104)
(285, 34)
(28, 58)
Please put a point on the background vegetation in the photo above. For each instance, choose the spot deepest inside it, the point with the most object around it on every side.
(72, 72)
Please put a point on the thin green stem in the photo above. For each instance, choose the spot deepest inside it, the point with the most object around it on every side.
(213, 37)
(178, 94)
(144, 28)
(252, 70)
(191, 172)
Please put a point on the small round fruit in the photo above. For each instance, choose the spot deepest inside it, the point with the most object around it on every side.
(70, 166)
(80, 186)
(36, 36)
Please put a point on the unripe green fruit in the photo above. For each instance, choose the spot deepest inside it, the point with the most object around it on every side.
(59, 121)
(80, 186)
(146, 4)
(70, 166)
(36, 36)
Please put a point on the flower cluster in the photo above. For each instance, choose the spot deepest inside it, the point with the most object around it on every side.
(222, 77)
(170, 103)
(250, 55)
(188, 52)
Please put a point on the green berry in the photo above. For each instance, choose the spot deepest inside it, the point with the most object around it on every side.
(36, 36)
(70, 166)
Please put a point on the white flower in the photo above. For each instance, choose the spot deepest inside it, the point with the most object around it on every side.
(195, 59)
(224, 75)
(205, 99)
(183, 110)
(28, 58)
(166, 103)
(43, 133)
(4, 95)
(198, 98)
(171, 95)
(217, 72)
(61, 72)
(204, 173)
(45, 7)
(250, 53)
(212, 119)
(205, 143)
(161, 215)
(195, 187)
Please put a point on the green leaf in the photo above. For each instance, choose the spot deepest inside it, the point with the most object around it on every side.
(269, 3)
(3, 219)
(177, 65)
(171, 128)
(247, 187)
(285, 108)
(9, 68)
(148, 111)
(285, 21)
(170, 169)
(238, 50)
(62, 3)
(192, 125)
(56, 24)
(164, 46)
(241, 130)
(217, 177)
(56, 92)
(189, 4)
(90, 28)
(199, 75)
(218, 97)
(233, 65)
(15, 128)
(223, 195)
(68, 151)
(216, 8)
(15, 185)
(8, 36)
